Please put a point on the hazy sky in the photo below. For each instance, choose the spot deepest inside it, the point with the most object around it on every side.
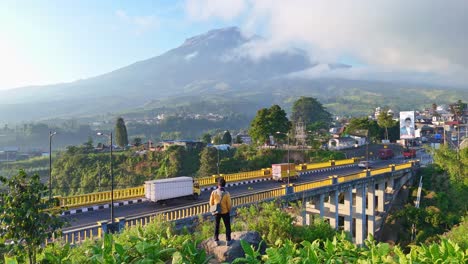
(52, 41)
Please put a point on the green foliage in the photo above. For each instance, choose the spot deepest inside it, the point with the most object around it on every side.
(362, 126)
(385, 120)
(324, 155)
(217, 139)
(273, 223)
(267, 219)
(26, 218)
(252, 255)
(455, 164)
(206, 138)
(267, 122)
(310, 111)
(459, 234)
(190, 254)
(443, 201)
(227, 138)
(158, 242)
(121, 136)
(137, 141)
(208, 161)
(319, 229)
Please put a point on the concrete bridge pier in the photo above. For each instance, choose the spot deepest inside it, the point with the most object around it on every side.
(370, 209)
(361, 197)
(348, 210)
(333, 216)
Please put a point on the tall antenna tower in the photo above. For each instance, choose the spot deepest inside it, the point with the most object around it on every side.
(301, 135)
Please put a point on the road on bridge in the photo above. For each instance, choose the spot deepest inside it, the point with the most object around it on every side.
(91, 218)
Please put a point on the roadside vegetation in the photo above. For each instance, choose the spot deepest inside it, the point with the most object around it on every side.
(443, 201)
(286, 242)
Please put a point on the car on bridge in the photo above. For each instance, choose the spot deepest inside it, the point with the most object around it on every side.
(365, 164)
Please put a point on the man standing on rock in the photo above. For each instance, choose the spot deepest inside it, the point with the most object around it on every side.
(222, 197)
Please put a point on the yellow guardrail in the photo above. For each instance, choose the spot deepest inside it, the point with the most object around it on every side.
(312, 185)
(234, 177)
(403, 166)
(101, 197)
(381, 170)
(351, 177)
(204, 208)
(121, 194)
(314, 166)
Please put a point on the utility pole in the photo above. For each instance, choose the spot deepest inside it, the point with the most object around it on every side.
(112, 181)
(367, 150)
(217, 164)
(51, 134)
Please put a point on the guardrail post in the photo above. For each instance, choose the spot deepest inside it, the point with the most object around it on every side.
(332, 163)
(120, 221)
(393, 167)
(334, 179)
(289, 189)
(368, 173)
(102, 229)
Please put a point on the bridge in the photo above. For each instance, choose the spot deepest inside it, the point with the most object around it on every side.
(355, 200)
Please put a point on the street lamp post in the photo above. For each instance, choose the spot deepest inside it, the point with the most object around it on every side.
(51, 134)
(112, 179)
(217, 164)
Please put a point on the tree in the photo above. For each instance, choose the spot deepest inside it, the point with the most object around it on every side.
(278, 121)
(121, 137)
(239, 139)
(434, 108)
(137, 141)
(24, 219)
(206, 138)
(363, 126)
(174, 159)
(227, 138)
(217, 139)
(309, 110)
(385, 120)
(259, 128)
(457, 109)
(208, 161)
(267, 122)
(88, 146)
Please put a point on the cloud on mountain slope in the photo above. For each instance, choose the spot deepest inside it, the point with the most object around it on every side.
(426, 40)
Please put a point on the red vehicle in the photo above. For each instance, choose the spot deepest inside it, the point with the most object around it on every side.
(409, 153)
(386, 153)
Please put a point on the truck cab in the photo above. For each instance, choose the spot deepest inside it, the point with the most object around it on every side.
(409, 153)
(386, 153)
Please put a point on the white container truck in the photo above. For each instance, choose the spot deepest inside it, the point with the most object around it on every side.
(280, 171)
(170, 188)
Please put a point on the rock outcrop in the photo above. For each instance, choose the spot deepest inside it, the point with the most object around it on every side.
(224, 253)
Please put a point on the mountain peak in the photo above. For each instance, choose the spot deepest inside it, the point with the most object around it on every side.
(222, 34)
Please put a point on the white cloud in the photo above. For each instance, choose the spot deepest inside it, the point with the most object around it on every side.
(141, 23)
(205, 9)
(422, 36)
(190, 56)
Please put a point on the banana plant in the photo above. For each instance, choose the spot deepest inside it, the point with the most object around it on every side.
(252, 255)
